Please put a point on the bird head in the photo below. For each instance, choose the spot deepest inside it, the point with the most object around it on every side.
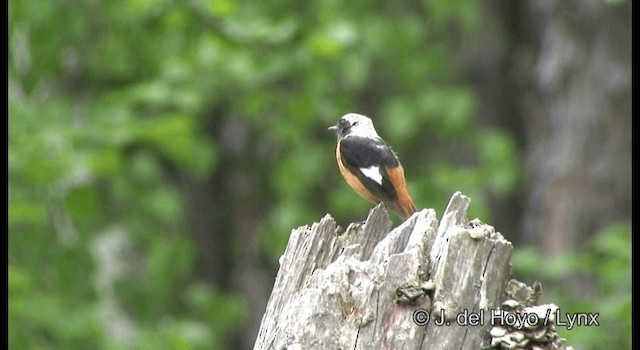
(354, 124)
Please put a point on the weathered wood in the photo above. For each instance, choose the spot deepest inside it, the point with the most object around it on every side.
(368, 288)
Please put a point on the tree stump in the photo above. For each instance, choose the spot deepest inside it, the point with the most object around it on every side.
(423, 285)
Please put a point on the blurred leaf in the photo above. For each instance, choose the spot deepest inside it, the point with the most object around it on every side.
(612, 274)
(498, 159)
(83, 202)
(399, 118)
(25, 211)
(614, 241)
(450, 109)
(525, 261)
(324, 46)
(223, 311)
(107, 162)
(174, 136)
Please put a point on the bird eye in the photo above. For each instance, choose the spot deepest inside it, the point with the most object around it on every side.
(355, 123)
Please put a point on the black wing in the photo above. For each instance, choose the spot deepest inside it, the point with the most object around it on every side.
(361, 152)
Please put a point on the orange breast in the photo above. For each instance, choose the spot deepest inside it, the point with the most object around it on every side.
(353, 180)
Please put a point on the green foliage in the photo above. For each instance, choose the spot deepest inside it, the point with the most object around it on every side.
(113, 103)
(90, 136)
(604, 272)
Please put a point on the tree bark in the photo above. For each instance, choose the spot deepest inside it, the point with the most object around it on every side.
(368, 288)
(576, 107)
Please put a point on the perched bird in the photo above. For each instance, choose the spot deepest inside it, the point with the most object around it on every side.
(369, 165)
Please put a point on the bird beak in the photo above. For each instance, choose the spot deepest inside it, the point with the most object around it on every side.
(333, 128)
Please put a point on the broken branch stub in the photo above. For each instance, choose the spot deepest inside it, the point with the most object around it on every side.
(364, 288)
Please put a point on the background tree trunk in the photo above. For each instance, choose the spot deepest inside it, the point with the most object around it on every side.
(557, 75)
(576, 110)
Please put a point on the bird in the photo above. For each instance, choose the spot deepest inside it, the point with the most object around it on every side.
(370, 166)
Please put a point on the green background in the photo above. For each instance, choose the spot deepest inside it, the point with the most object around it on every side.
(156, 146)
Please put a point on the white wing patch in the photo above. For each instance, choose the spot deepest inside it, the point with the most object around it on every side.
(373, 172)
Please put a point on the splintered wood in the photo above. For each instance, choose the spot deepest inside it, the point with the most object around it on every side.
(422, 285)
